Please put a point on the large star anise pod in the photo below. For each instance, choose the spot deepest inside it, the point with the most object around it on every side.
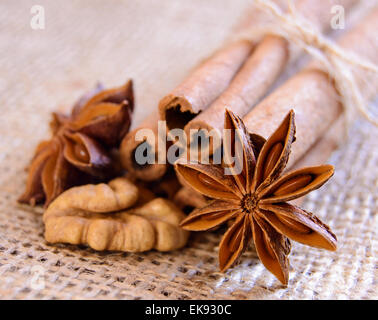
(82, 144)
(256, 198)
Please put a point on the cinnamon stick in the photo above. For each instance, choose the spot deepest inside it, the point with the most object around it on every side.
(143, 171)
(253, 80)
(260, 71)
(167, 186)
(195, 93)
(211, 78)
(204, 85)
(321, 150)
(187, 199)
(313, 95)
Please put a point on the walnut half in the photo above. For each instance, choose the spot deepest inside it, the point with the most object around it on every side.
(95, 215)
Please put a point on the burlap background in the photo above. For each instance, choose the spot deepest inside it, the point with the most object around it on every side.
(155, 43)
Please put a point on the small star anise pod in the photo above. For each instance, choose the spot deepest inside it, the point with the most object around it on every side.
(82, 146)
(256, 198)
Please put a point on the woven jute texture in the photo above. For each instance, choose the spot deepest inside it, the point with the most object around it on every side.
(156, 43)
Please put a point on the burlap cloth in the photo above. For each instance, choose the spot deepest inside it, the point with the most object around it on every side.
(155, 43)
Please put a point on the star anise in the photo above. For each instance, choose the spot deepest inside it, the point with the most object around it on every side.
(82, 144)
(256, 198)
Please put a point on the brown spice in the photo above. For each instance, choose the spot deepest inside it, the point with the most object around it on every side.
(82, 144)
(271, 55)
(188, 199)
(203, 85)
(250, 84)
(129, 145)
(313, 94)
(257, 199)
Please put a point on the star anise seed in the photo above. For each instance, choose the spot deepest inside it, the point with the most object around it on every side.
(80, 150)
(256, 198)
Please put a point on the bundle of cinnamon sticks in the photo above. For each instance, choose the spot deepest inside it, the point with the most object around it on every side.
(239, 77)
